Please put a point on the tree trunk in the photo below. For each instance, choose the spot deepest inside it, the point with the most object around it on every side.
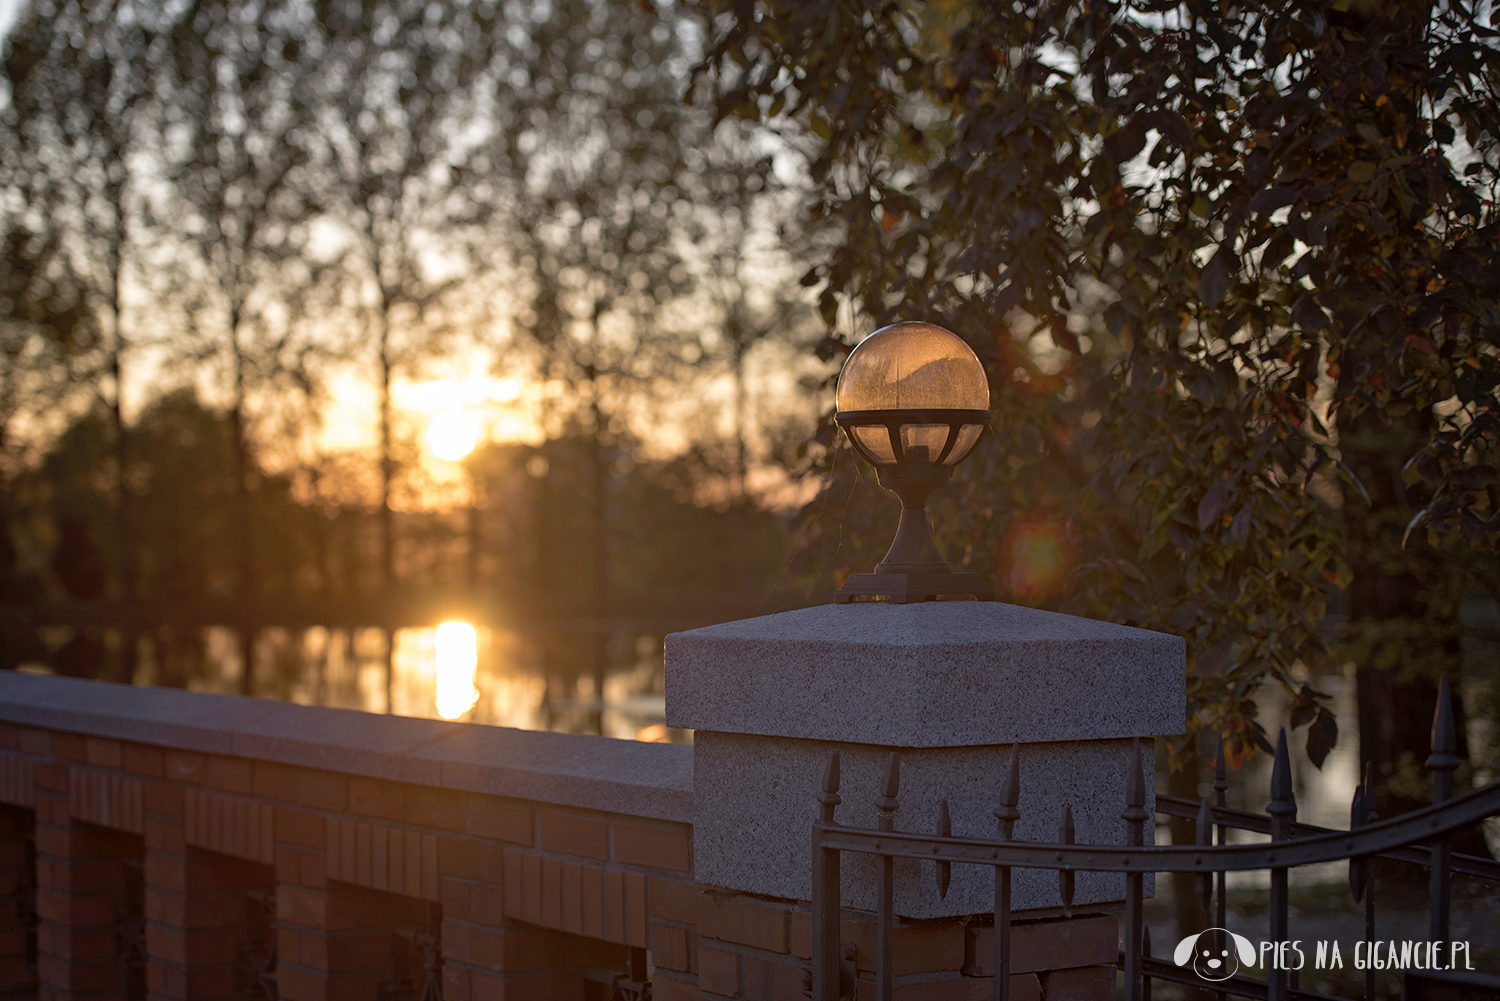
(387, 475)
(599, 515)
(129, 587)
(248, 589)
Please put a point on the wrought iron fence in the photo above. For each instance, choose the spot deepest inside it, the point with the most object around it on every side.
(1421, 837)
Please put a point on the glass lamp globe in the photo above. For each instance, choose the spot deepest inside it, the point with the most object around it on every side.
(913, 399)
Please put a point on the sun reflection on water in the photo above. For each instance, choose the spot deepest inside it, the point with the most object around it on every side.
(456, 656)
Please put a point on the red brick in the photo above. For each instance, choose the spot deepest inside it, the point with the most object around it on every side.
(289, 944)
(300, 906)
(672, 989)
(165, 799)
(733, 918)
(36, 743)
(593, 901)
(486, 904)
(531, 890)
(347, 952)
(297, 983)
(1088, 983)
(312, 869)
(572, 898)
(74, 909)
(210, 982)
(322, 790)
(544, 987)
(552, 893)
(928, 947)
(491, 817)
(184, 766)
(165, 835)
(719, 971)
(141, 759)
(455, 984)
(51, 775)
(377, 798)
(1023, 987)
(799, 935)
(469, 859)
(231, 775)
(671, 948)
(772, 980)
(1044, 945)
(300, 828)
(427, 807)
(455, 896)
(457, 946)
(674, 901)
(103, 752)
(574, 834)
(275, 781)
(166, 871)
(635, 908)
(661, 846)
(69, 747)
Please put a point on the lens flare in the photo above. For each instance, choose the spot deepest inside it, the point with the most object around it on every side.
(457, 655)
(452, 435)
(1037, 558)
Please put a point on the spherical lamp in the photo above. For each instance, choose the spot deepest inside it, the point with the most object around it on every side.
(913, 399)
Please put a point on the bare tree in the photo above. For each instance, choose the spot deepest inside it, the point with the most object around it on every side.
(595, 139)
(242, 114)
(398, 103)
(83, 83)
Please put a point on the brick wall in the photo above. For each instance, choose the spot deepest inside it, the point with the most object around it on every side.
(211, 847)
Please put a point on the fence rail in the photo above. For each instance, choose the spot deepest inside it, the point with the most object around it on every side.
(1420, 837)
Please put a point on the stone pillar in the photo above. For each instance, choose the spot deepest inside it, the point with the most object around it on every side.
(950, 685)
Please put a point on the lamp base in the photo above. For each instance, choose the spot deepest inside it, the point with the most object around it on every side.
(902, 588)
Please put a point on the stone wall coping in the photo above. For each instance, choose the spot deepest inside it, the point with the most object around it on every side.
(928, 674)
(597, 773)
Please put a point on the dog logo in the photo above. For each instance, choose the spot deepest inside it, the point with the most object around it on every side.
(1211, 962)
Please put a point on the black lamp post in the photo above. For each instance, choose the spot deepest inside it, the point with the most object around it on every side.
(913, 399)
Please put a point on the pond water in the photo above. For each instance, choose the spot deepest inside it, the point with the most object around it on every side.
(452, 671)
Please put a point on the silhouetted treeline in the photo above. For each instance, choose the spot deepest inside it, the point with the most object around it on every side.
(219, 216)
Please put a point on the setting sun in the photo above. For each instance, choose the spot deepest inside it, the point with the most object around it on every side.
(457, 655)
(452, 435)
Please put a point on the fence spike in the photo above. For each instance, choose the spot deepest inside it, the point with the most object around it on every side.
(1007, 815)
(1370, 817)
(1283, 812)
(1283, 797)
(1010, 789)
(944, 830)
(1135, 787)
(1135, 781)
(1359, 816)
(1010, 794)
(1221, 790)
(828, 798)
(1065, 835)
(891, 785)
(1221, 780)
(1205, 837)
(1442, 762)
(1444, 735)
